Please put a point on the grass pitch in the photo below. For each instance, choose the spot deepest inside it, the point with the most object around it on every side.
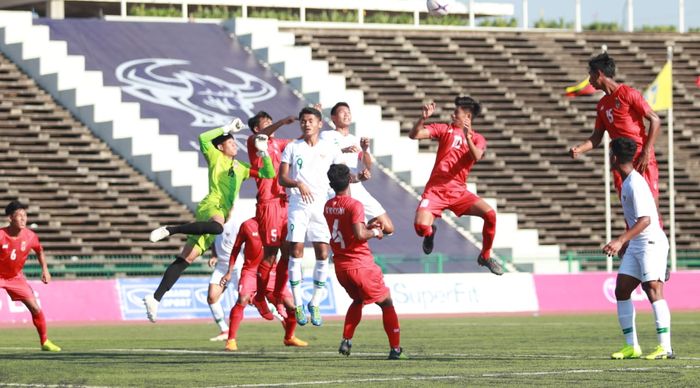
(473, 351)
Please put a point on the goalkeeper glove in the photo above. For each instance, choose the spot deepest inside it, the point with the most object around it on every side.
(261, 145)
(236, 125)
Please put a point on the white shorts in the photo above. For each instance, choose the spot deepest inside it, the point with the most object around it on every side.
(221, 268)
(305, 222)
(372, 207)
(646, 262)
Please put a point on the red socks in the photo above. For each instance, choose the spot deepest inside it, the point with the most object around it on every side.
(290, 324)
(235, 320)
(264, 269)
(488, 233)
(281, 277)
(40, 324)
(352, 319)
(423, 230)
(391, 326)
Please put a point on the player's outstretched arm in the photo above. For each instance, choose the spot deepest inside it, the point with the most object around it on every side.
(419, 131)
(270, 129)
(592, 142)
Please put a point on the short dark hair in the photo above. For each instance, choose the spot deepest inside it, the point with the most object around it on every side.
(624, 149)
(604, 63)
(339, 177)
(255, 120)
(310, 111)
(335, 107)
(13, 206)
(220, 139)
(468, 103)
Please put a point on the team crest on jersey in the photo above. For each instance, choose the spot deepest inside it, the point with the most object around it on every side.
(23, 246)
(5, 246)
(210, 100)
(617, 103)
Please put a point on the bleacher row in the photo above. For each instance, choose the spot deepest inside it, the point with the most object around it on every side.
(82, 197)
(529, 125)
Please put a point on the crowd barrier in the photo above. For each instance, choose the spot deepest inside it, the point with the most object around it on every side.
(430, 294)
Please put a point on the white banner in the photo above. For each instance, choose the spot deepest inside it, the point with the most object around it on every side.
(454, 294)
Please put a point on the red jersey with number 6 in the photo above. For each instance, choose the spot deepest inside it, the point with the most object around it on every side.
(453, 160)
(342, 212)
(14, 251)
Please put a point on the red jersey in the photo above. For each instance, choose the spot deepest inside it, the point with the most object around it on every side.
(453, 160)
(14, 251)
(341, 213)
(268, 189)
(622, 115)
(253, 252)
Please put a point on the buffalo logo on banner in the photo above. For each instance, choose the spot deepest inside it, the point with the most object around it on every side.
(210, 100)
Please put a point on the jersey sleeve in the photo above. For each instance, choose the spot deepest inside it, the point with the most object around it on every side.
(36, 245)
(287, 154)
(642, 199)
(205, 145)
(236, 249)
(436, 129)
(599, 123)
(480, 142)
(357, 213)
(637, 102)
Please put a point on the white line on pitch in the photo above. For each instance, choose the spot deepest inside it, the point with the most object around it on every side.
(343, 381)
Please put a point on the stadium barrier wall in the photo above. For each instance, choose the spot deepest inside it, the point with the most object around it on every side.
(415, 294)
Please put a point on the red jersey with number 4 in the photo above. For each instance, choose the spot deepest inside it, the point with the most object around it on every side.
(253, 252)
(622, 115)
(14, 251)
(268, 189)
(341, 213)
(453, 160)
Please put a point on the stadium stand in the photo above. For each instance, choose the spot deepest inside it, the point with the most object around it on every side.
(84, 200)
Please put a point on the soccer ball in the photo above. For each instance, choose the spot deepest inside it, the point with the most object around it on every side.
(438, 7)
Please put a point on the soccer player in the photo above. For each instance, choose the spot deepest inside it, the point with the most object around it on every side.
(253, 253)
(356, 151)
(219, 261)
(270, 211)
(225, 177)
(644, 249)
(16, 240)
(305, 162)
(354, 263)
(621, 112)
(458, 149)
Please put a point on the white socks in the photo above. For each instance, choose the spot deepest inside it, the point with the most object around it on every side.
(626, 316)
(295, 278)
(663, 323)
(218, 313)
(320, 276)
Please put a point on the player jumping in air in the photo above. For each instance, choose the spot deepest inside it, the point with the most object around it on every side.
(305, 162)
(356, 151)
(644, 251)
(459, 148)
(354, 264)
(225, 177)
(621, 112)
(248, 234)
(16, 241)
(270, 211)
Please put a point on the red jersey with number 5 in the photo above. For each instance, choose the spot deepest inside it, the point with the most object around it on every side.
(14, 251)
(453, 160)
(622, 115)
(341, 213)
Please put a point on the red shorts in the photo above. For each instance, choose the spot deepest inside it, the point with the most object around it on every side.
(365, 284)
(248, 284)
(272, 222)
(17, 287)
(437, 200)
(651, 175)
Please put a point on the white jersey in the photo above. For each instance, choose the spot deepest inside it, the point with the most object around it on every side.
(352, 160)
(224, 241)
(310, 165)
(637, 201)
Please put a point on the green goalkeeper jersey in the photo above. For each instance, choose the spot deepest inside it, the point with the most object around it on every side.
(226, 174)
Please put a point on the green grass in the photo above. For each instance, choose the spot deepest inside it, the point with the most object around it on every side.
(473, 351)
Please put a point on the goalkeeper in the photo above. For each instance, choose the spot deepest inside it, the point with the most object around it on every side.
(225, 177)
